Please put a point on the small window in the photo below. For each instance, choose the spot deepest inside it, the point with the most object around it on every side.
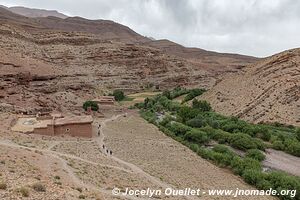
(67, 130)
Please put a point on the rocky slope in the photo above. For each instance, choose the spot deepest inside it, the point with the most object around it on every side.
(52, 63)
(266, 92)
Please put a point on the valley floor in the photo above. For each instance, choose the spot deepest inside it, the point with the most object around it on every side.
(71, 168)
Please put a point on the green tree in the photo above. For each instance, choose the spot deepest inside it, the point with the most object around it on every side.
(91, 104)
(119, 95)
(204, 106)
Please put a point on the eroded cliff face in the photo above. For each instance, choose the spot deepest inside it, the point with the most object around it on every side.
(50, 63)
(266, 92)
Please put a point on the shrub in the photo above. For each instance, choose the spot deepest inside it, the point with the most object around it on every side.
(281, 181)
(196, 136)
(186, 113)
(91, 104)
(244, 142)
(222, 136)
(3, 186)
(149, 116)
(196, 123)
(24, 191)
(278, 145)
(252, 176)
(178, 128)
(193, 93)
(119, 95)
(221, 149)
(204, 106)
(39, 187)
(167, 94)
(255, 154)
(292, 146)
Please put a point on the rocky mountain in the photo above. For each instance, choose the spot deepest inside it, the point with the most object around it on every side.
(31, 12)
(265, 92)
(47, 63)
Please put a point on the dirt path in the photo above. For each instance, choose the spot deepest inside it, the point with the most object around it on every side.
(141, 144)
(134, 168)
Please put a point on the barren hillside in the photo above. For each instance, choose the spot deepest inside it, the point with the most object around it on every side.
(266, 92)
(41, 58)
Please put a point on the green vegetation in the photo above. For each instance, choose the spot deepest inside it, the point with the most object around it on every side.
(196, 126)
(204, 106)
(91, 104)
(255, 154)
(119, 95)
(192, 94)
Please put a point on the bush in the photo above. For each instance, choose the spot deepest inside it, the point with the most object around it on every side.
(292, 146)
(178, 128)
(196, 123)
(252, 176)
(282, 181)
(24, 191)
(221, 149)
(91, 104)
(196, 136)
(255, 154)
(39, 187)
(119, 95)
(222, 136)
(204, 106)
(193, 93)
(186, 113)
(244, 142)
(3, 186)
(278, 145)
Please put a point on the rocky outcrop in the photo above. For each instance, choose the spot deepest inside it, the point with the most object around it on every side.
(266, 92)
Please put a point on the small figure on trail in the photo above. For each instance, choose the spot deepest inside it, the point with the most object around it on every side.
(110, 152)
(103, 147)
(99, 133)
(107, 151)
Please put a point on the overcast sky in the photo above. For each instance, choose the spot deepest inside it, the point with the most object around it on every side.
(252, 27)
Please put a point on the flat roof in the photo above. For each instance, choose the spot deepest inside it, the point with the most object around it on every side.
(29, 124)
(74, 120)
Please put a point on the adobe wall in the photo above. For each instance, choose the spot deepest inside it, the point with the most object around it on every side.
(44, 131)
(76, 130)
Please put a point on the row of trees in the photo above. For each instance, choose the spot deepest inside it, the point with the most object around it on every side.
(196, 126)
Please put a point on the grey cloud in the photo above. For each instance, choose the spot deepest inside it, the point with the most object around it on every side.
(252, 27)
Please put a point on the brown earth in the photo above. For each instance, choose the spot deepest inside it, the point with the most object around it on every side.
(266, 92)
(142, 158)
(53, 63)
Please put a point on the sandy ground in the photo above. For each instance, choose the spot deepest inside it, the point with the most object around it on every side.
(76, 168)
(142, 144)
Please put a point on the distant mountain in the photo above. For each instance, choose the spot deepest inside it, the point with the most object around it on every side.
(32, 12)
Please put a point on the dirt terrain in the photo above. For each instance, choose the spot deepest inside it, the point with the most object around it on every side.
(64, 171)
(266, 92)
(54, 63)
